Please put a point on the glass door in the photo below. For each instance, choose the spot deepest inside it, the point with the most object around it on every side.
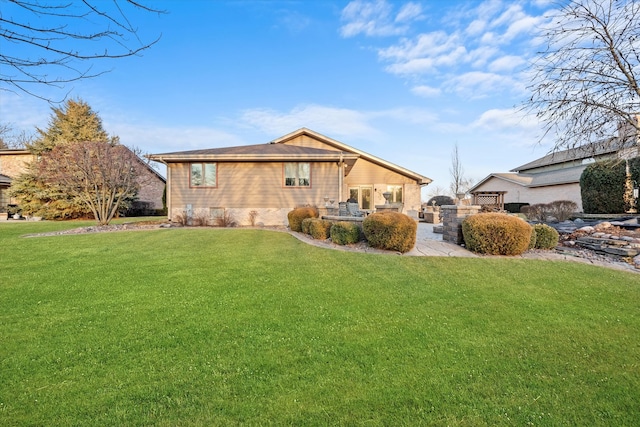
(363, 194)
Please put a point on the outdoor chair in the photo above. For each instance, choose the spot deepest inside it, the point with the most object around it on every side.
(354, 210)
(342, 209)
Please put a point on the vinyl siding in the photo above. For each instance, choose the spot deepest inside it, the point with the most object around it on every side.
(519, 194)
(252, 185)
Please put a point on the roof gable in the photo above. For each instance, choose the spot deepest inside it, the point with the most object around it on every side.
(421, 179)
(280, 150)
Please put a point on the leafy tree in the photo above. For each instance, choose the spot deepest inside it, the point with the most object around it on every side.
(50, 43)
(585, 82)
(100, 175)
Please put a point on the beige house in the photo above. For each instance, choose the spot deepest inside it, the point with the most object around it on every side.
(298, 169)
(13, 162)
(555, 176)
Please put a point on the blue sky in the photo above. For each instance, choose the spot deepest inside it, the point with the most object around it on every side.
(405, 81)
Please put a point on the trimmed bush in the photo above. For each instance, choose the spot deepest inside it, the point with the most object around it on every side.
(532, 241)
(319, 229)
(304, 227)
(345, 233)
(496, 234)
(297, 215)
(390, 230)
(546, 237)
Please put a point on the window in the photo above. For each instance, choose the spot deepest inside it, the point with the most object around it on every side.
(297, 174)
(396, 193)
(203, 174)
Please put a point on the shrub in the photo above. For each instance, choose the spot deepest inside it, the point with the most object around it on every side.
(345, 233)
(181, 218)
(602, 187)
(253, 215)
(533, 238)
(296, 216)
(441, 201)
(546, 237)
(200, 220)
(304, 226)
(225, 220)
(562, 210)
(319, 229)
(496, 234)
(538, 212)
(390, 230)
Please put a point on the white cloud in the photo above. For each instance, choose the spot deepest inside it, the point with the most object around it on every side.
(478, 84)
(376, 18)
(426, 91)
(408, 12)
(506, 63)
(332, 121)
(155, 138)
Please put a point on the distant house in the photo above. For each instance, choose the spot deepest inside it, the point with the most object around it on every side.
(555, 176)
(298, 169)
(13, 162)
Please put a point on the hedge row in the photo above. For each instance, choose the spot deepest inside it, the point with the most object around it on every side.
(387, 230)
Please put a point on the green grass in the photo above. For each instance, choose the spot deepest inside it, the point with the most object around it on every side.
(252, 327)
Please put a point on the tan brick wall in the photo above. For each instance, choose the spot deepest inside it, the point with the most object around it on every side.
(13, 164)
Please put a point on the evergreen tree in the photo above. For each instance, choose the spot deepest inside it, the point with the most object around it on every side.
(74, 123)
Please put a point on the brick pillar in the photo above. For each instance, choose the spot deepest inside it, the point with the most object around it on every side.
(452, 217)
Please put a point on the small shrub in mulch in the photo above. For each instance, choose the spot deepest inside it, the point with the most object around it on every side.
(297, 215)
(319, 229)
(345, 233)
(390, 230)
(546, 237)
(496, 234)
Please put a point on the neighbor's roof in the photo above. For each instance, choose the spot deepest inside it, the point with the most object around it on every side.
(555, 177)
(596, 149)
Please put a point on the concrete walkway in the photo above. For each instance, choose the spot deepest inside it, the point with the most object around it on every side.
(429, 243)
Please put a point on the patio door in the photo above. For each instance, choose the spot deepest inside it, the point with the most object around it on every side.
(363, 194)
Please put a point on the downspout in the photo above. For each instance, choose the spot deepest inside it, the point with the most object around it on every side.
(340, 177)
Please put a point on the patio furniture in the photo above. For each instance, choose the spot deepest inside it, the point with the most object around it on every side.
(342, 209)
(354, 210)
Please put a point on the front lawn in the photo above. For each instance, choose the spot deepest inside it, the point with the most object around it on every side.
(231, 326)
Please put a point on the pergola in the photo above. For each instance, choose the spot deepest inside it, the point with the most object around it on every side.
(489, 199)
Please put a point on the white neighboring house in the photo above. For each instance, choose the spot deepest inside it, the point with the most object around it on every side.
(555, 176)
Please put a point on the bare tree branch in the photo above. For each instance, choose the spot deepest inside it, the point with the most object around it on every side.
(585, 82)
(56, 44)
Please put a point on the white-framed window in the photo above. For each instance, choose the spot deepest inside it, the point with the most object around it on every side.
(203, 175)
(297, 174)
(396, 193)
